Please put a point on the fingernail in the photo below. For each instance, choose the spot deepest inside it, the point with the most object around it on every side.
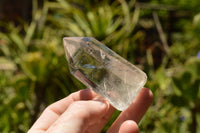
(104, 104)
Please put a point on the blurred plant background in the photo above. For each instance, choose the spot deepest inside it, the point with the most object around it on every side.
(162, 37)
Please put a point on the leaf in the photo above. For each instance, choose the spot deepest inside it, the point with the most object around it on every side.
(179, 101)
(82, 22)
(29, 33)
(193, 66)
(161, 78)
(5, 49)
(6, 64)
(18, 41)
(65, 4)
(196, 20)
(178, 84)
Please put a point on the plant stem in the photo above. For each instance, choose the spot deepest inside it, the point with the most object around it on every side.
(194, 121)
(161, 33)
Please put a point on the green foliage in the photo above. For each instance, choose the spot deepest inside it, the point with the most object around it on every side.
(187, 82)
(34, 72)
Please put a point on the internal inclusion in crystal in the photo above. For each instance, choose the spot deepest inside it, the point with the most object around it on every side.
(102, 70)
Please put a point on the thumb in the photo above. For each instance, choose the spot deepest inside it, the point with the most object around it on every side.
(129, 126)
(79, 116)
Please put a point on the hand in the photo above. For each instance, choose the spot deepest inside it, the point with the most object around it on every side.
(85, 112)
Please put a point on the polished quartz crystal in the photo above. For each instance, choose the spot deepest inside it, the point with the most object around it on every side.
(104, 71)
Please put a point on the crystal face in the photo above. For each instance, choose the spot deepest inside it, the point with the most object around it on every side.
(104, 71)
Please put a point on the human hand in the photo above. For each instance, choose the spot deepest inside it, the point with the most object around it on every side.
(85, 112)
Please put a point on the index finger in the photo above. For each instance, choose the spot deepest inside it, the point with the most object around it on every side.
(52, 112)
(135, 111)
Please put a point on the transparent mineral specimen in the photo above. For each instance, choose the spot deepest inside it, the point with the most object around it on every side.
(104, 71)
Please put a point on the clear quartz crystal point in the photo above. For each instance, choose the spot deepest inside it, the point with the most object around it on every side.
(104, 71)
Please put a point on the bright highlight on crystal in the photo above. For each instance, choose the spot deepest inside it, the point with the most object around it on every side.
(104, 71)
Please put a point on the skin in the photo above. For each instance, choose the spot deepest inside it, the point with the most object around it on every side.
(85, 112)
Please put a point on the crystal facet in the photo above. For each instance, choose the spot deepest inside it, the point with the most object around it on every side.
(104, 71)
